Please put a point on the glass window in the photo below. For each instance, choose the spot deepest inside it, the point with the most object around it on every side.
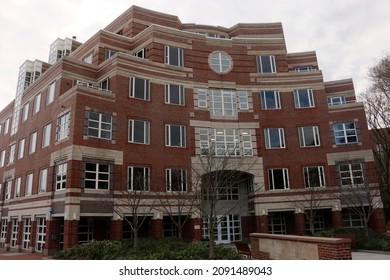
(8, 189)
(103, 85)
(303, 98)
(50, 93)
(226, 141)
(29, 183)
(40, 234)
(21, 148)
(303, 69)
(202, 98)
(109, 53)
(2, 158)
(309, 136)
(175, 135)
(26, 233)
(18, 184)
(88, 59)
(4, 224)
(274, 138)
(314, 176)
(46, 135)
(97, 176)
(176, 180)
(266, 64)
(223, 103)
(14, 232)
(174, 56)
(33, 142)
(139, 88)
(243, 100)
(278, 179)
(139, 131)
(351, 174)
(11, 155)
(352, 220)
(336, 100)
(6, 126)
(174, 94)
(60, 176)
(99, 125)
(25, 111)
(42, 180)
(270, 99)
(37, 103)
(220, 62)
(345, 133)
(63, 125)
(138, 178)
(141, 53)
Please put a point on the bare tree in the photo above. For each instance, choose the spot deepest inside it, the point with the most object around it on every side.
(216, 178)
(377, 103)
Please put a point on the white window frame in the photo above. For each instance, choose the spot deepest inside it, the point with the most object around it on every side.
(60, 175)
(271, 179)
(168, 135)
(306, 93)
(33, 142)
(303, 130)
(25, 111)
(4, 225)
(37, 102)
(8, 189)
(135, 92)
(280, 134)
(100, 126)
(100, 179)
(223, 103)
(226, 141)
(336, 100)
(6, 126)
(46, 135)
(29, 184)
(18, 185)
(342, 133)
(271, 62)
(146, 178)
(176, 51)
(169, 93)
(220, 62)
(63, 126)
(50, 93)
(88, 58)
(146, 132)
(42, 187)
(40, 234)
(2, 158)
(276, 98)
(171, 173)
(243, 100)
(202, 98)
(11, 155)
(21, 147)
(318, 172)
(351, 174)
(14, 232)
(26, 233)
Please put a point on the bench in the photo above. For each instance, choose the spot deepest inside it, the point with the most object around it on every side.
(243, 248)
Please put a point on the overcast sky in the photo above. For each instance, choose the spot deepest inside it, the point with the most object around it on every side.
(349, 36)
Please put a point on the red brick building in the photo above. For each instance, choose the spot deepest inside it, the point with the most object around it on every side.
(146, 97)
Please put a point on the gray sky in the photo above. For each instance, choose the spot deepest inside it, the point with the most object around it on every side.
(349, 36)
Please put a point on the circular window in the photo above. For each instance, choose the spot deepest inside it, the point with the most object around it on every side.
(220, 62)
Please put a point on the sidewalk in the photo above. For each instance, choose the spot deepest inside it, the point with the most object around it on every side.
(10, 255)
(370, 255)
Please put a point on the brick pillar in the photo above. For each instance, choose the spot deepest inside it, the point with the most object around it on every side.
(337, 219)
(70, 233)
(8, 235)
(20, 236)
(33, 235)
(299, 223)
(52, 238)
(196, 229)
(116, 230)
(377, 220)
(157, 228)
(261, 224)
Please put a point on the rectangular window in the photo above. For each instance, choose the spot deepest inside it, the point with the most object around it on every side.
(29, 184)
(352, 220)
(174, 94)
(223, 103)
(42, 181)
(303, 98)
(109, 53)
(11, 155)
(37, 103)
(8, 189)
(22, 143)
(309, 136)
(303, 69)
(139, 132)
(138, 178)
(243, 100)
(266, 64)
(41, 234)
(26, 233)
(103, 85)
(314, 176)
(50, 93)
(139, 88)
(6, 126)
(60, 176)
(204, 141)
(25, 111)
(63, 125)
(274, 138)
(46, 135)
(18, 184)
(175, 135)
(174, 56)
(2, 158)
(88, 58)
(226, 141)
(277, 223)
(247, 142)
(336, 100)
(270, 99)
(14, 232)
(3, 232)
(176, 180)
(97, 176)
(351, 174)
(345, 133)
(33, 142)
(278, 179)
(202, 98)
(99, 125)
